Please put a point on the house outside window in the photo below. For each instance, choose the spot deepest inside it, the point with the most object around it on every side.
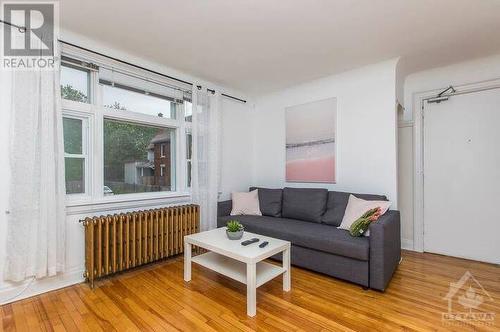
(162, 171)
(132, 157)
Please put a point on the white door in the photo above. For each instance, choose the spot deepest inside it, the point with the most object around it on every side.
(462, 176)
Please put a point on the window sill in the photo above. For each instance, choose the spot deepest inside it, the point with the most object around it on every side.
(86, 204)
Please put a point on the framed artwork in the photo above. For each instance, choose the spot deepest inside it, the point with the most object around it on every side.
(310, 142)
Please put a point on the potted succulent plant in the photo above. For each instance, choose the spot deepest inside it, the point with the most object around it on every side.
(234, 230)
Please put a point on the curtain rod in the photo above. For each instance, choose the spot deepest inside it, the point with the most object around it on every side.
(23, 30)
(146, 69)
(20, 28)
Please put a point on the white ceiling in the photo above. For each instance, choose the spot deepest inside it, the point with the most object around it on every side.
(258, 46)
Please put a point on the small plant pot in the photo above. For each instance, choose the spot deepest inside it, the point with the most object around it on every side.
(234, 235)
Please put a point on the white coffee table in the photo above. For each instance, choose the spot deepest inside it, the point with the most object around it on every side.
(241, 263)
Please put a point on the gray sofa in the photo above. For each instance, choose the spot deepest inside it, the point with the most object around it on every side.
(308, 219)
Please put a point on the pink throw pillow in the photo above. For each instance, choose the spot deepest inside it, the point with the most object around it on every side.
(246, 203)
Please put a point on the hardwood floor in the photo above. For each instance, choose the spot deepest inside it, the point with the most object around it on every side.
(156, 298)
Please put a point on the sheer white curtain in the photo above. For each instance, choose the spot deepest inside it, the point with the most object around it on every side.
(36, 219)
(205, 163)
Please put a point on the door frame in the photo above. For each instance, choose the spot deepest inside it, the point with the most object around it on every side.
(419, 100)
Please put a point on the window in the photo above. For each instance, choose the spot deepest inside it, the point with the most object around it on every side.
(134, 100)
(122, 133)
(74, 155)
(188, 111)
(132, 158)
(75, 83)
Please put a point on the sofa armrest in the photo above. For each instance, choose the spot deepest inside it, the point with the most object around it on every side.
(224, 208)
(385, 249)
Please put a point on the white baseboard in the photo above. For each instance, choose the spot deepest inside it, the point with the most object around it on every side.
(407, 244)
(12, 292)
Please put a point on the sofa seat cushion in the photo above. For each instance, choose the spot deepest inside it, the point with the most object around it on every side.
(306, 234)
(337, 203)
(307, 204)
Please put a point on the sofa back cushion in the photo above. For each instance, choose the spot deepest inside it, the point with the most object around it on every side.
(270, 201)
(304, 203)
(337, 203)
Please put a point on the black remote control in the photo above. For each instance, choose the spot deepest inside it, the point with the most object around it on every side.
(247, 242)
(263, 244)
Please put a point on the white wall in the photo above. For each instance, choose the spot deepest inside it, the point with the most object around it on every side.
(366, 130)
(405, 183)
(474, 71)
(236, 173)
(401, 73)
(237, 148)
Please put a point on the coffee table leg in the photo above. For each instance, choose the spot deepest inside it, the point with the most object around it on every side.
(286, 266)
(251, 289)
(187, 261)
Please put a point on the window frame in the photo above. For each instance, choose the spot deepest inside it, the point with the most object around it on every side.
(146, 122)
(94, 114)
(69, 114)
(91, 91)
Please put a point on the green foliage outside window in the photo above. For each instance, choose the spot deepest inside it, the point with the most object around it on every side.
(123, 143)
(70, 93)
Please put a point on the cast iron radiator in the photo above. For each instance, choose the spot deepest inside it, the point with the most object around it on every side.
(118, 242)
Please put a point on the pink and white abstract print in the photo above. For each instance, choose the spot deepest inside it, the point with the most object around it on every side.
(310, 142)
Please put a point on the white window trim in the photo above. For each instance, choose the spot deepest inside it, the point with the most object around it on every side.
(162, 150)
(95, 113)
(77, 207)
(138, 118)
